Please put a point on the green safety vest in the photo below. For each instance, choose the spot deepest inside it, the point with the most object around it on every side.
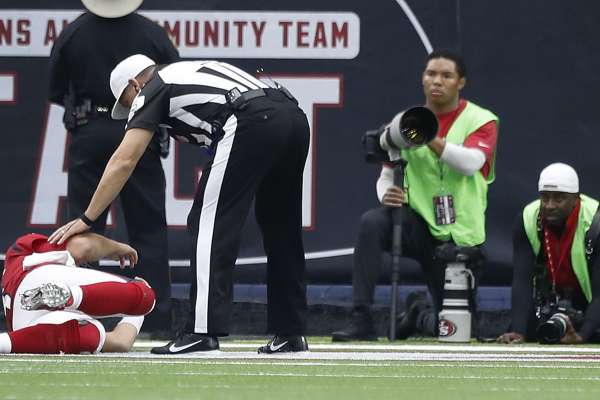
(587, 211)
(426, 177)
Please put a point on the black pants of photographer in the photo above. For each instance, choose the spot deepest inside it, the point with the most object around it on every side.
(375, 239)
(142, 201)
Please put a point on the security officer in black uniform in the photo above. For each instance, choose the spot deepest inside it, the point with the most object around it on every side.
(80, 65)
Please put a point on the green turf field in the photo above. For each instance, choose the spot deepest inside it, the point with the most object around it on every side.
(410, 370)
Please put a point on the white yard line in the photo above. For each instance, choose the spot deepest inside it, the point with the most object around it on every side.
(450, 357)
(385, 356)
(410, 347)
(125, 361)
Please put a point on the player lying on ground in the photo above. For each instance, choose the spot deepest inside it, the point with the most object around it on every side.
(52, 305)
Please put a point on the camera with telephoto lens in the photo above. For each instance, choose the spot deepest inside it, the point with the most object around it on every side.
(555, 317)
(413, 127)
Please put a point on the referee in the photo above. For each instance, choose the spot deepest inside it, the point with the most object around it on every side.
(79, 67)
(259, 140)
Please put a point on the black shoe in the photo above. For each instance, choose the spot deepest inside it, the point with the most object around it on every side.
(188, 343)
(284, 344)
(359, 328)
(416, 302)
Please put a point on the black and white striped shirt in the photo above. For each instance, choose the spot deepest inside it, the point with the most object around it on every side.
(186, 97)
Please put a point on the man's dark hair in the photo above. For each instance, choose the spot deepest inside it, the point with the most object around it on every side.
(461, 69)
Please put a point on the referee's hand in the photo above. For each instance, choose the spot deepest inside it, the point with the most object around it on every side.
(62, 234)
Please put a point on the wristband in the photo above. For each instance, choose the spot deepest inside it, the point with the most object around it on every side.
(86, 220)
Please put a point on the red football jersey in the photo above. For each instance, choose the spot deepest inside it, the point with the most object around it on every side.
(14, 271)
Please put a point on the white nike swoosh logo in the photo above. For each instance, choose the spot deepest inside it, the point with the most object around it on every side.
(175, 349)
(483, 145)
(275, 348)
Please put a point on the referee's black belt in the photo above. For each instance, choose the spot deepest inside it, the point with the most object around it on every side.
(238, 100)
(89, 108)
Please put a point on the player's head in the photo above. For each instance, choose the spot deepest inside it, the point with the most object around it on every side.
(126, 80)
(443, 78)
(559, 192)
(111, 8)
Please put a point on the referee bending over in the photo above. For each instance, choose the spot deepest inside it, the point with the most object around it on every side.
(259, 137)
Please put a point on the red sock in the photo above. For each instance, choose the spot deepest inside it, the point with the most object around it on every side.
(89, 338)
(108, 298)
(55, 338)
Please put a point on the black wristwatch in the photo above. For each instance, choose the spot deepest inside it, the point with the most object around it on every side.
(86, 220)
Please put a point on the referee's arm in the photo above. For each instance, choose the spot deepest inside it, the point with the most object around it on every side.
(118, 170)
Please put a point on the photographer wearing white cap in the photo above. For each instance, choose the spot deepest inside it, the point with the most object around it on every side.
(554, 246)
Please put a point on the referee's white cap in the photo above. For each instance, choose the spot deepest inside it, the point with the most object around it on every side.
(558, 177)
(112, 8)
(127, 69)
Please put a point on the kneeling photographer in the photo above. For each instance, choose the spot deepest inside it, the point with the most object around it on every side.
(443, 199)
(556, 278)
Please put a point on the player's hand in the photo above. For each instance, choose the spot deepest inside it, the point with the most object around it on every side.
(571, 336)
(62, 234)
(394, 197)
(510, 338)
(126, 253)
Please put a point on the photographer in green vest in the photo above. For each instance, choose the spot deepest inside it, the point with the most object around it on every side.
(445, 192)
(556, 278)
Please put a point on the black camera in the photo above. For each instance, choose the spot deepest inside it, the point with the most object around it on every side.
(555, 317)
(413, 127)
(373, 151)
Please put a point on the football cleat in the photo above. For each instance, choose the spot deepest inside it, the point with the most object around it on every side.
(188, 343)
(284, 344)
(49, 296)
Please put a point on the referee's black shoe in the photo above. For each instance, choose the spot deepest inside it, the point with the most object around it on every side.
(284, 344)
(188, 343)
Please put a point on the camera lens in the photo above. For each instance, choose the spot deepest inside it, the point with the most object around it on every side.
(551, 331)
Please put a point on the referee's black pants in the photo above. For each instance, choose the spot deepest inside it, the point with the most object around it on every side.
(261, 157)
(375, 239)
(142, 201)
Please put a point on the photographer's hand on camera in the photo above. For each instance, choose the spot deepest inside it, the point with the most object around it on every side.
(571, 336)
(437, 145)
(394, 197)
(510, 338)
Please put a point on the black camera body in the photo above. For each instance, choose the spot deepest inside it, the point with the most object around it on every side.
(413, 127)
(554, 317)
(373, 151)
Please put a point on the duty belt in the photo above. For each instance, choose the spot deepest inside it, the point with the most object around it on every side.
(88, 109)
(238, 100)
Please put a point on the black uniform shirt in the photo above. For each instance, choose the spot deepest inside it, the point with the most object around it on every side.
(90, 47)
(186, 97)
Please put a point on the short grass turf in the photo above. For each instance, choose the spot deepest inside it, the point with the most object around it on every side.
(111, 378)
